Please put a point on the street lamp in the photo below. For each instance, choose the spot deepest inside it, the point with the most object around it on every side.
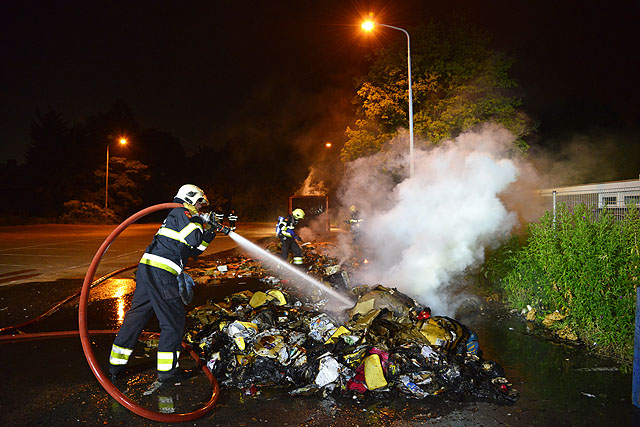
(122, 141)
(368, 26)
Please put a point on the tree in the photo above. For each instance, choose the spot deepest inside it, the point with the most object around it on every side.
(459, 81)
(163, 153)
(47, 158)
(126, 179)
(73, 158)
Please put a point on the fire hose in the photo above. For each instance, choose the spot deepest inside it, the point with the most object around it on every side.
(88, 350)
(57, 306)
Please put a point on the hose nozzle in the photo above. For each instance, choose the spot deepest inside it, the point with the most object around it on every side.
(221, 228)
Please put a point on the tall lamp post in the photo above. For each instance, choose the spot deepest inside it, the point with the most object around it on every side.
(368, 26)
(122, 141)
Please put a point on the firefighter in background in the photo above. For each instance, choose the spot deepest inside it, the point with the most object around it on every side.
(355, 221)
(232, 219)
(186, 232)
(219, 215)
(285, 231)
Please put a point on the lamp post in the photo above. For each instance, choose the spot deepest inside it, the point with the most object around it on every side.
(368, 26)
(122, 141)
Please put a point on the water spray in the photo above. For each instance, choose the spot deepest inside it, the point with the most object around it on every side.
(272, 259)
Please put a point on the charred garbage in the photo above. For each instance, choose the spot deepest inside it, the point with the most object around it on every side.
(387, 344)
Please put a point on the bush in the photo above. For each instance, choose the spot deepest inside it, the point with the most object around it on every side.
(580, 265)
(76, 211)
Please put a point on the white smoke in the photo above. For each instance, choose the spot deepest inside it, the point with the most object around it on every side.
(419, 233)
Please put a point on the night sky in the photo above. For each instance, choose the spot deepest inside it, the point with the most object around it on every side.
(217, 70)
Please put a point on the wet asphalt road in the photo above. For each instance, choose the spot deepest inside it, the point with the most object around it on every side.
(50, 252)
(48, 381)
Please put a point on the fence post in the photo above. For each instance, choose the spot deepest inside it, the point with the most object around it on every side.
(554, 208)
(635, 393)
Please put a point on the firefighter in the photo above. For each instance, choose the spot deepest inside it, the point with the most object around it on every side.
(219, 215)
(354, 219)
(232, 219)
(186, 232)
(355, 222)
(285, 231)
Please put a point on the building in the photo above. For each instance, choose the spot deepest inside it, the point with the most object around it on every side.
(614, 195)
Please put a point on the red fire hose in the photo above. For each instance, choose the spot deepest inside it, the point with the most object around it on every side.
(57, 306)
(88, 350)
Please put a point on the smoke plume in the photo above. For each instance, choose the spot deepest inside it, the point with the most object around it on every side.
(420, 233)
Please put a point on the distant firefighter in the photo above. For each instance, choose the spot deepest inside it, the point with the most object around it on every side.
(219, 215)
(232, 219)
(285, 231)
(355, 220)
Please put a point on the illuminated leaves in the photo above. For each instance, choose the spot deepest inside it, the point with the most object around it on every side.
(457, 83)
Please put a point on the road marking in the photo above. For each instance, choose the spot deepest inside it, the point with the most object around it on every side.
(14, 279)
(46, 244)
(17, 272)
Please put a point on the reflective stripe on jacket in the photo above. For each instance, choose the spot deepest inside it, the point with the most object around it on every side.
(181, 236)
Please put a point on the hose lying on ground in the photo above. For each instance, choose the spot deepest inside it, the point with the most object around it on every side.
(57, 306)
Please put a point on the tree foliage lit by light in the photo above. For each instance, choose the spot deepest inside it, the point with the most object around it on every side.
(458, 82)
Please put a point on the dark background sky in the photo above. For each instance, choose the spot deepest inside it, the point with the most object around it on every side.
(211, 71)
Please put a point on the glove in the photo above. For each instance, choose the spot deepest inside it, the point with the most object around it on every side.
(206, 217)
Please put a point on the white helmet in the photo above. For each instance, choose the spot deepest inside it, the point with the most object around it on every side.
(192, 194)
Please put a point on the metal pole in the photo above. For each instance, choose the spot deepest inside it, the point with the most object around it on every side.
(106, 184)
(554, 208)
(635, 385)
(410, 96)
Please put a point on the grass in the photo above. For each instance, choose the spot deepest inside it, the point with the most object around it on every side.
(580, 265)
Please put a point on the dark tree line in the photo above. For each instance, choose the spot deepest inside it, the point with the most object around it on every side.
(63, 178)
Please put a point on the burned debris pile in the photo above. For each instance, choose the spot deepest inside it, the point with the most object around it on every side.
(386, 344)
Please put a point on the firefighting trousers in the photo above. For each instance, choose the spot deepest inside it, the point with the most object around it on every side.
(290, 245)
(156, 292)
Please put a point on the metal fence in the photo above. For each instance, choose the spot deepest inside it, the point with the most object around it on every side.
(614, 196)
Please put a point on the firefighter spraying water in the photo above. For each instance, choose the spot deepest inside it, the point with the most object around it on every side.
(162, 286)
(273, 260)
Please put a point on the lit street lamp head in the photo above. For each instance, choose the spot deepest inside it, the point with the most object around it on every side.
(122, 140)
(368, 25)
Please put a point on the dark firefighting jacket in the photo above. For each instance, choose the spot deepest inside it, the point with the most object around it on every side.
(181, 236)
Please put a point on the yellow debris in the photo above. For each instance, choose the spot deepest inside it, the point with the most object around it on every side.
(567, 334)
(261, 298)
(373, 374)
(550, 318)
(340, 331)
